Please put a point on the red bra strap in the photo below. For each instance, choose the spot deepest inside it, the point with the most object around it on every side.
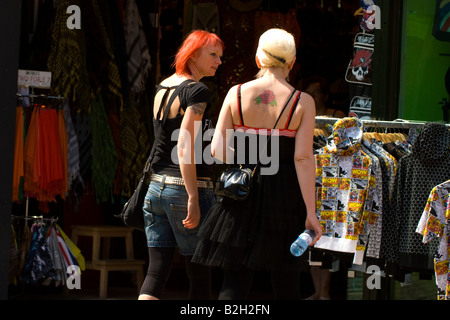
(294, 106)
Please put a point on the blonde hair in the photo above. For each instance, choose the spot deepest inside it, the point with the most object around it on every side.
(276, 48)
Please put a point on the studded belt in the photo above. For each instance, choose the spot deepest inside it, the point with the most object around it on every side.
(203, 184)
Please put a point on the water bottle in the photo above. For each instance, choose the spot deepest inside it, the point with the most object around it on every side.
(299, 246)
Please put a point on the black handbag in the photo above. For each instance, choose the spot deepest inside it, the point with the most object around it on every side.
(236, 182)
(132, 214)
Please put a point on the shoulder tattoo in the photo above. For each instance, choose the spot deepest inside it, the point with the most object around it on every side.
(267, 97)
(198, 108)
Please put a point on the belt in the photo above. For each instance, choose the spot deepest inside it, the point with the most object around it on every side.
(179, 181)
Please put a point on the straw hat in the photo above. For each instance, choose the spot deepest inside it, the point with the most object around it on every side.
(245, 5)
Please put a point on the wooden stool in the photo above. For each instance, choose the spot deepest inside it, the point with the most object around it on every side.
(104, 234)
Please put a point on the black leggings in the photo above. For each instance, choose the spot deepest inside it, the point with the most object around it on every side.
(237, 284)
(160, 264)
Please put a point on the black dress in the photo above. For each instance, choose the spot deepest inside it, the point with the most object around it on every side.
(257, 233)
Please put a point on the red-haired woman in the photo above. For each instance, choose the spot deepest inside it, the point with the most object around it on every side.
(180, 192)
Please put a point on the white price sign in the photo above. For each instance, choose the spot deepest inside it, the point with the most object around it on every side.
(35, 79)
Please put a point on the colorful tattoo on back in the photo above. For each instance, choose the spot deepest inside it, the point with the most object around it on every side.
(268, 97)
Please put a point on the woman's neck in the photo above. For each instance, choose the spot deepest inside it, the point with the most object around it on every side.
(195, 74)
(276, 74)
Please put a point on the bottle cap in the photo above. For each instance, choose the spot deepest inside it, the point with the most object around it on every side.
(311, 233)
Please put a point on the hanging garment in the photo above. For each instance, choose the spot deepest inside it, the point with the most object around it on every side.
(25, 244)
(103, 71)
(389, 162)
(56, 256)
(434, 223)
(14, 255)
(73, 156)
(104, 156)
(135, 147)
(49, 256)
(49, 155)
(347, 204)
(66, 254)
(18, 173)
(69, 71)
(139, 60)
(387, 167)
(205, 16)
(84, 135)
(113, 120)
(426, 166)
(38, 268)
(30, 180)
(64, 67)
(75, 251)
(44, 163)
(64, 150)
(373, 248)
(113, 14)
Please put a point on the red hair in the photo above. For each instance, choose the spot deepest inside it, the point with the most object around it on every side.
(196, 40)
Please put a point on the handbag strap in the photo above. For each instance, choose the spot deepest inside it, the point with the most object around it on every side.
(148, 163)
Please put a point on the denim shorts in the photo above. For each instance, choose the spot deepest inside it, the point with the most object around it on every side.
(165, 208)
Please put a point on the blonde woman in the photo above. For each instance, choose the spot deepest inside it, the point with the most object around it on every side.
(256, 234)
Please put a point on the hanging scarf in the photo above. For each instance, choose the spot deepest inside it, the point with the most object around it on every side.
(135, 148)
(103, 72)
(104, 156)
(137, 50)
(18, 156)
(67, 59)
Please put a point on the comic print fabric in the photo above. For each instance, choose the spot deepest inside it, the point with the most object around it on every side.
(347, 204)
(433, 224)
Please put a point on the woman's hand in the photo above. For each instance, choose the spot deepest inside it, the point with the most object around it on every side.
(193, 217)
(312, 223)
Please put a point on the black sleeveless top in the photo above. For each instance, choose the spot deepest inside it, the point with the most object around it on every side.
(166, 130)
(257, 233)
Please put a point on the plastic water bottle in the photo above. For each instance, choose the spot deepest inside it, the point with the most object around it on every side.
(299, 246)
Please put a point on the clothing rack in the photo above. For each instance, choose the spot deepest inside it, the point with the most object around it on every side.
(396, 124)
(35, 218)
(39, 96)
